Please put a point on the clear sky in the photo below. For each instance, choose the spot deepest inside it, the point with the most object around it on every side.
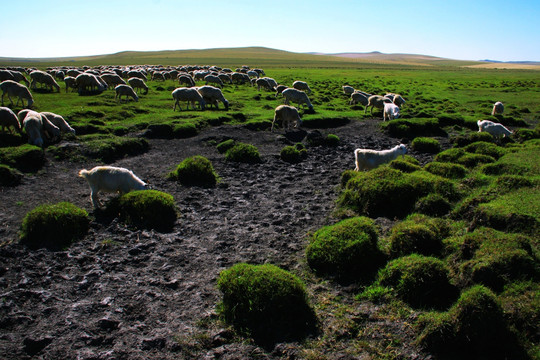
(457, 29)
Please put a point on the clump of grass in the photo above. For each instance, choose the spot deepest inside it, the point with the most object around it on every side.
(404, 165)
(110, 148)
(222, 147)
(9, 176)
(332, 140)
(26, 158)
(195, 171)
(485, 148)
(411, 128)
(347, 250)
(433, 205)
(426, 144)
(185, 130)
(242, 152)
(417, 234)
(293, 154)
(266, 302)
(464, 140)
(446, 169)
(54, 226)
(148, 209)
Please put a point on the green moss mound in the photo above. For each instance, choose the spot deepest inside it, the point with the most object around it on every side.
(293, 154)
(110, 148)
(447, 170)
(242, 152)
(411, 128)
(222, 147)
(26, 158)
(185, 130)
(426, 144)
(347, 250)
(266, 302)
(417, 234)
(54, 226)
(150, 209)
(433, 205)
(9, 176)
(195, 171)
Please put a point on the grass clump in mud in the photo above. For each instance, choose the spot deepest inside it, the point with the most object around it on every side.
(195, 171)
(244, 153)
(293, 154)
(147, 209)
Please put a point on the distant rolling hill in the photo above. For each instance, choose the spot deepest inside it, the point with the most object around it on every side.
(253, 56)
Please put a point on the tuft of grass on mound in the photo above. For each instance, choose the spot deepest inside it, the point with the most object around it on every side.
(195, 171)
(148, 209)
(293, 154)
(265, 302)
(54, 226)
(446, 169)
(9, 176)
(242, 152)
(426, 144)
(26, 158)
(417, 234)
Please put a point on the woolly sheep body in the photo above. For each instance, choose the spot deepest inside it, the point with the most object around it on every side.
(110, 179)
(89, 82)
(59, 122)
(70, 82)
(138, 83)
(191, 95)
(127, 91)
(376, 101)
(240, 78)
(46, 128)
(301, 85)
(367, 159)
(186, 79)
(296, 96)
(112, 80)
(34, 128)
(280, 88)
(347, 90)
(9, 119)
(271, 82)
(11, 87)
(498, 108)
(391, 111)
(287, 115)
(42, 77)
(495, 129)
(263, 83)
(357, 97)
(214, 80)
(212, 95)
(14, 75)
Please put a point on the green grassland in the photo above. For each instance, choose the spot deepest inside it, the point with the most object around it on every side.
(492, 191)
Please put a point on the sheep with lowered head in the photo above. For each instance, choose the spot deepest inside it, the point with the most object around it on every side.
(263, 83)
(127, 91)
(186, 79)
(42, 77)
(301, 85)
(495, 129)
(212, 95)
(11, 87)
(9, 120)
(190, 95)
(347, 90)
(288, 115)
(214, 79)
(358, 97)
(47, 128)
(391, 111)
(367, 159)
(138, 83)
(376, 101)
(59, 122)
(498, 108)
(110, 179)
(296, 96)
(70, 83)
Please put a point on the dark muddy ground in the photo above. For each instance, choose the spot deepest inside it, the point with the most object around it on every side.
(121, 293)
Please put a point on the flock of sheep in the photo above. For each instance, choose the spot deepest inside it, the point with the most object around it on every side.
(48, 126)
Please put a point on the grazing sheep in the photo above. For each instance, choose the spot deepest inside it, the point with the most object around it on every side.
(191, 95)
(127, 91)
(301, 85)
(260, 72)
(212, 95)
(498, 108)
(280, 88)
(59, 122)
(391, 111)
(253, 73)
(261, 82)
(110, 179)
(47, 128)
(213, 79)
(287, 115)
(347, 90)
(358, 97)
(398, 100)
(12, 75)
(158, 75)
(376, 101)
(42, 77)
(186, 79)
(70, 83)
(9, 119)
(34, 128)
(367, 159)
(89, 82)
(271, 81)
(240, 78)
(136, 73)
(495, 129)
(225, 78)
(138, 83)
(14, 88)
(296, 96)
(112, 80)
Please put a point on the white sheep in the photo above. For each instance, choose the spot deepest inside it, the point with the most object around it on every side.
(110, 179)
(112, 80)
(287, 115)
(347, 90)
(391, 111)
(42, 77)
(191, 95)
(263, 83)
(498, 108)
(495, 129)
(46, 128)
(212, 95)
(358, 97)
(367, 159)
(34, 128)
(272, 82)
(70, 82)
(11, 87)
(301, 85)
(226, 78)
(9, 119)
(90, 82)
(125, 90)
(240, 78)
(214, 80)
(59, 122)
(14, 75)
(376, 101)
(138, 83)
(280, 88)
(253, 73)
(186, 79)
(296, 96)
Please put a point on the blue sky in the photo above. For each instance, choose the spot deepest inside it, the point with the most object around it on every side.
(466, 30)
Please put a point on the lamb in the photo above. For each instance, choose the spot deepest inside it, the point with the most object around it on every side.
(498, 108)
(296, 96)
(391, 111)
(213, 79)
(14, 88)
(347, 90)
(212, 95)
(110, 179)
(301, 85)
(495, 129)
(138, 83)
(187, 94)
(358, 97)
(367, 159)
(9, 119)
(112, 80)
(376, 101)
(42, 77)
(126, 90)
(287, 115)
(59, 122)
